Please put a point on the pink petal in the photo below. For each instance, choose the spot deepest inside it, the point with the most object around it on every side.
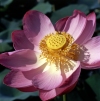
(74, 25)
(89, 29)
(52, 78)
(31, 73)
(28, 89)
(16, 79)
(49, 95)
(70, 84)
(60, 24)
(86, 66)
(36, 25)
(20, 41)
(37, 49)
(23, 60)
(49, 79)
(93, 50)
(67, 74)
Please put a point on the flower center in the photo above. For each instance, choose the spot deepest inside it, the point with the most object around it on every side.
(58, 48)
(56, 41)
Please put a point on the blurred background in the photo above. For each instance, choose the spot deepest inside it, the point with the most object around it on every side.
(11, 14)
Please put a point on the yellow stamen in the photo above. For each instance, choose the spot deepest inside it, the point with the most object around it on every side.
(58, 48)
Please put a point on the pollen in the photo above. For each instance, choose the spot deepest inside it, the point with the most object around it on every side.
(59, 48)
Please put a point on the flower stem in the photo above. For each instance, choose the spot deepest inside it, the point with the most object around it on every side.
(64, 98)
(53, 8)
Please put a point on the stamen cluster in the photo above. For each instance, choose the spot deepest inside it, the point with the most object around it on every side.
(64, 51)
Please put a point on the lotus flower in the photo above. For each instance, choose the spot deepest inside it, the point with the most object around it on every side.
(49, 58)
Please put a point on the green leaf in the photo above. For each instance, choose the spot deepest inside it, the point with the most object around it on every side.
(67, 11)
(43, 7)
(5, 2)
(90, 3)
(94, 83)
(98, 16)
(73, 96)
(14, 25)
(99, 34)
(4, 47)
(11, 26)
(10, 94)
(5, 36)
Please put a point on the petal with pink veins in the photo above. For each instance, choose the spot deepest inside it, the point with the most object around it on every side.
(53, 77)
(36, 25)
(28, 89)
(93, 49)
(89, 29)
(20, 41)
(31, 73)
(23, 60)
(49, 95)
(74, 25)
(69, 85)
(73, 67)
(49, 79)
(16, 79)
(60, 24)
(85, 66)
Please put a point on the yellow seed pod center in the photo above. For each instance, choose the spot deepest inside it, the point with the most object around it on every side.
(56, 41)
